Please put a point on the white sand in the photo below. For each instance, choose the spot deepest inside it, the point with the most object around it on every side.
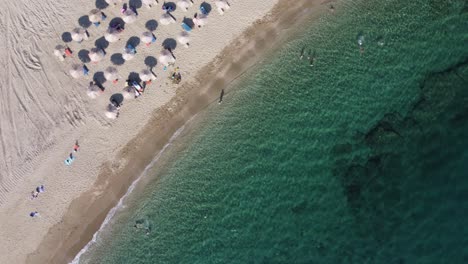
(43, 110)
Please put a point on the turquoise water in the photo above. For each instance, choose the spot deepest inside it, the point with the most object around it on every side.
(361, 158)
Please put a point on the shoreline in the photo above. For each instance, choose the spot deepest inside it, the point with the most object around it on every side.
(86, 213)
(130, 190)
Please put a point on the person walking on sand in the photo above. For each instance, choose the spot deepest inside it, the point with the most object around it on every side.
(76, 147)
(40, 189)
(34, 194)
(34, 214)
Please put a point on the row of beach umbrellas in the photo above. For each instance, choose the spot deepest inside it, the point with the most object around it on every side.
(111, 73)
(182, 4)
(113, 35)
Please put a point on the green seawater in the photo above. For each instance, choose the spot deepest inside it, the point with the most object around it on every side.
(361, 158)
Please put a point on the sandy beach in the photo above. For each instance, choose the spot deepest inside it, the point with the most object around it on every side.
(44, 110)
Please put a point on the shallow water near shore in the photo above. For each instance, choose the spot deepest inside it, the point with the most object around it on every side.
(360, 158)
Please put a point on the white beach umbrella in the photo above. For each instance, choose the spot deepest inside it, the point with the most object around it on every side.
(113, 2)
(183, 38)
(95, 16)
(148, 3)
(77, 71)
(59, 51)
(166, 58)
(129, 16)
(93, 91)
(128, 54)
(147, 37)
(112, 35)
(111, 73)
(146, 75)
(112, 111)
(222, 6)
(201, 20)
(184, 4)
(128, 92)
(96, 54)
(166, 19)
(78, 34)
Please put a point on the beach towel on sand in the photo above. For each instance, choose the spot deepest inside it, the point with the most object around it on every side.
(69, 161)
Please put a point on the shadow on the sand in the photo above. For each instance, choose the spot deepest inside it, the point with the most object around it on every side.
(117, 59)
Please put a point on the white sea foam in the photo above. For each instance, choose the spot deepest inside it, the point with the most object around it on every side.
(119, 205)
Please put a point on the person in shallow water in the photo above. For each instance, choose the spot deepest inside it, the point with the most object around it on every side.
(143, 224)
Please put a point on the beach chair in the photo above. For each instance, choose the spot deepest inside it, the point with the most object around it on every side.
(68, 52)
(186, 27)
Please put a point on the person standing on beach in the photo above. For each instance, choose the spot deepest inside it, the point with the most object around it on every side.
(76, 147)
(34, 214)
(221, 96)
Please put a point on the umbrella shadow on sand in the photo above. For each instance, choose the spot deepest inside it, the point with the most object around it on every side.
(99, 79)
(84, 21)
(169, 44)
(134, 41)
(133, 76)
(135, 3)
(117, 99)
(117, 21)
(151, 61)
(151, 25)
(117, 59)
(101, 43)
(171, 5)
(66, 37)
(206, 6)
(83, 55)
(101, 4)
(188, 22)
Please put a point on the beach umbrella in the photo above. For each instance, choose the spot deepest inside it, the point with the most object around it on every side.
(222, 5)
(128, 54)
(95, 16)
(111, 73)
(78, 34)
(184, 4)
(112, 35)
(201, 20)
(129, 16)
(183, 38)
(166, 19)
(96, 54)
(59, 51)
(113, 2)
(112, 111)
(147, 37)
(166, 58)
(128, 92)
(93, 91)
(146, 75)
(77, 70)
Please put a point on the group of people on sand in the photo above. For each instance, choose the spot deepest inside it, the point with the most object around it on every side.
(41, 188)
(37, 191)
(71, 157)
(34, 194)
